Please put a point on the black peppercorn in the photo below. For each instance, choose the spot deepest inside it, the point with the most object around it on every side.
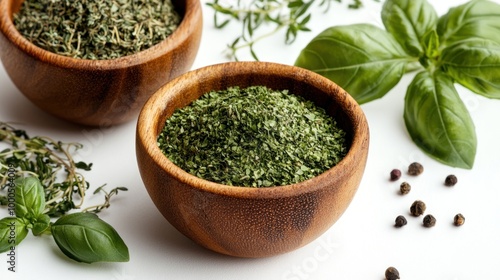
(417, 208)
(450, 180)
(400, 221)
(429, 221)
(395, 174)
(405, 188)
(459, 220)
(415, 169)
(391, 273)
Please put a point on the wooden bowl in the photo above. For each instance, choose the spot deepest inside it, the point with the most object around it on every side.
(244, 221)
(97, 92)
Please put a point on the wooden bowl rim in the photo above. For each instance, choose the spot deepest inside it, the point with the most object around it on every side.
(151, 111)
(183, 32)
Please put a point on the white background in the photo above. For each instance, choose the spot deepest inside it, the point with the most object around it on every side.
(361, 245)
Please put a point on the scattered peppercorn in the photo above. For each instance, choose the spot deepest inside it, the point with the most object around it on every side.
(450, 180)
(400, 221)
(395, 174)
(459, 220)
(391, 273)
(417, 208)
(429, 221)
(405, 188)
(415, 169)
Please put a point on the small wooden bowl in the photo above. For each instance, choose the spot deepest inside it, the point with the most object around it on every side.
(97, 92)
(243, 221)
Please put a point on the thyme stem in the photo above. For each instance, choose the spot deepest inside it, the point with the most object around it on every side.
(52, 163)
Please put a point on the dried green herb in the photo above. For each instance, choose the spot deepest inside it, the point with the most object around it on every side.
(91, 29)
(254, 137)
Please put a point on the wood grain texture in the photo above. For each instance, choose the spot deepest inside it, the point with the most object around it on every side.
(242, 221)
(97, 92)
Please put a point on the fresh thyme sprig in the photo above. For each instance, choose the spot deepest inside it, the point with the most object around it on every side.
(53, 164)
(290, 15)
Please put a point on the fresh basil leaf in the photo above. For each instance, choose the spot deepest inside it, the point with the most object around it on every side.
(408, 22)
(363, 59)
(438, 121)
(475, 64)
(41, 224)
(474, 19)
(12, 232)
(431, 44)
(30, 198)
(85, 238)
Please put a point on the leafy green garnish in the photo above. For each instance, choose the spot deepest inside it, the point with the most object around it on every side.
(461, 46)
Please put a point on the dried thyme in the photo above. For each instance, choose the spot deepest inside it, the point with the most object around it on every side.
(255, 137)
(92, 29)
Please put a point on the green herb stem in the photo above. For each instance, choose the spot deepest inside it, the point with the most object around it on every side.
(291, 15)
(52, 163)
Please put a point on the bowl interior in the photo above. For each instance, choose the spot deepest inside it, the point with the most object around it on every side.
(9, 7)
(184, 90)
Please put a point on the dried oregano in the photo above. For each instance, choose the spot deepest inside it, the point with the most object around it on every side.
(253, 137)
(92, 29)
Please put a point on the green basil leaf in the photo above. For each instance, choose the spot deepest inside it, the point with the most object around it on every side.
(475, 64)
(431, 44)
(474, 19)
(408, 22)
(12, 232)
(363, 59)
(438, 121)
(30, 198)
(41, 224)
(85, 238)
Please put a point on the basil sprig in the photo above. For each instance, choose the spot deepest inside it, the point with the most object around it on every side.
(80, 236)
(461, 46)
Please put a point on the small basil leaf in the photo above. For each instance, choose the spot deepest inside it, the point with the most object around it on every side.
(475, 64)
(12, 232)
(30, 198)
(474, 19)
(431, 44)
(438, 121)
(41, 224)
(408, 22)
(85, 238)
(363, 59)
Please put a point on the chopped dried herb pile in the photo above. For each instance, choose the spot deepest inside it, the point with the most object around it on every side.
(254, 137)
(92, 29)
